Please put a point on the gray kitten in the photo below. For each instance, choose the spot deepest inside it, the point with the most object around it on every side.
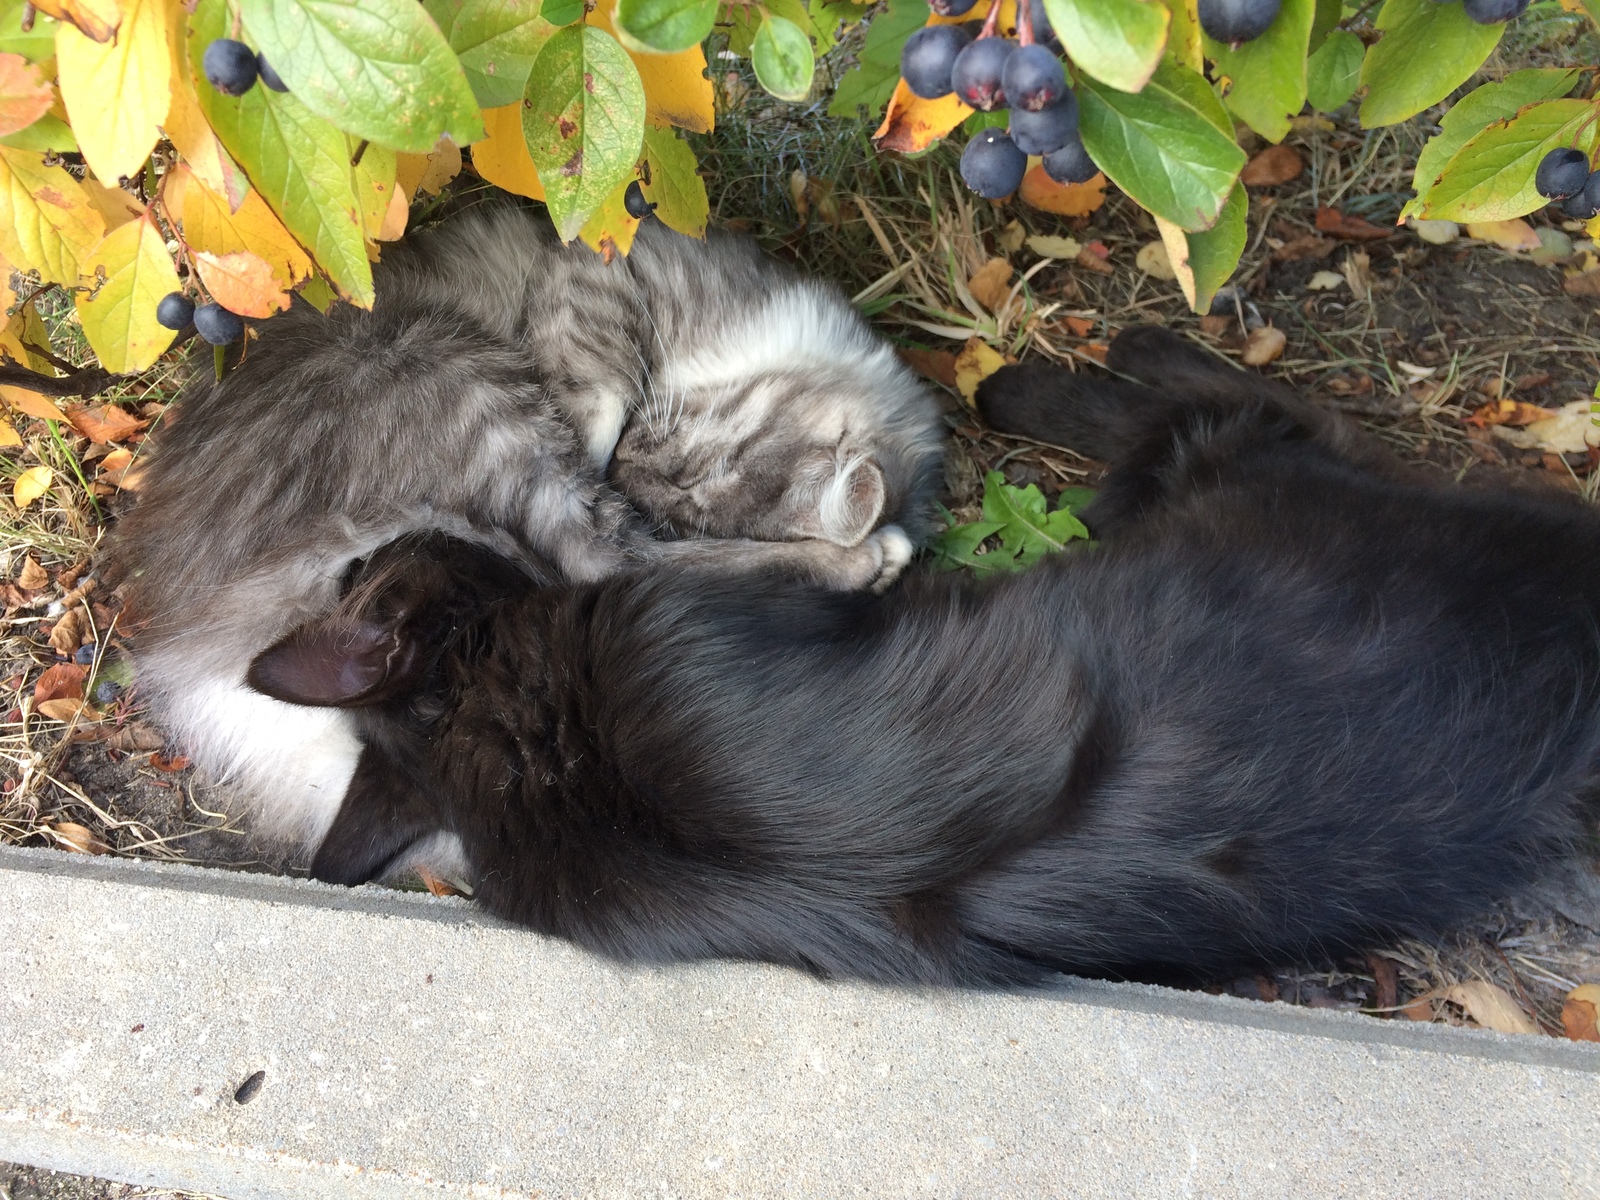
(750, 416)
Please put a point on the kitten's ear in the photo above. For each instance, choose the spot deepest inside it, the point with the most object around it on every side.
(337, 663)
(383, 816)
(851, 503)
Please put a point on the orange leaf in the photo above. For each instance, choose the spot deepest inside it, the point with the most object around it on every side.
(115, 465)
(64, 681)
(676, 89)
(95, 19)
(210, 224)
(241, 282)
(427, 173)
(105, 423)
(991, 284)
(162, 763)
(24, 95)
(502, 157)
(1275, 164)
(33, 404)
(1264, 345)
(1579, 1012)
(1509, 412)
(912, 123)
(80, 839)
(1081, 327)
(1332, 221)
(115, 205)
(937, 365)
(1063, 199)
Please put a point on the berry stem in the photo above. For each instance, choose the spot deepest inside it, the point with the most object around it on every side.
(1024, 22)
(990, 23)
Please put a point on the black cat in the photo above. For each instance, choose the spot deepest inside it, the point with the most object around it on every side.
(1292, 701)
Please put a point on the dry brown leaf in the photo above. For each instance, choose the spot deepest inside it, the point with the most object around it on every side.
(1080, 327)
(1275, 164)
(68, 633)
(135, 736)
(1309, 245)
(170, 765)
(438, 885)
(1509, 412)
(1490, 1006)
(1579, 1013)
(95, 19)
(1515, 234)
(1215, 324)
(937, 365)
(1386, 979)
(1357, 273)
(1357, 229)
(1094, 257)
(67, 711)
(1063, 199)
(80, 839)
(1570, 431)
(977, 361)
(64, 681)
(1584, 283)
(1010, 238)
(1099, 351)
(1264, 345)
(1420, 1009)
(991, 283)
(32, 576)
(114, 466)
(1154, 260)
(105, 423)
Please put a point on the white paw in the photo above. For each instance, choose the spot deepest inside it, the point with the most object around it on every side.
(892, 551)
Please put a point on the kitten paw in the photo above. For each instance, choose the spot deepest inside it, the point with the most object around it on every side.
(892, 551)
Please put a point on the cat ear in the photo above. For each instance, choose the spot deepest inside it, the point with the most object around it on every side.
(336, 663)
(851, 503)
(383, 816)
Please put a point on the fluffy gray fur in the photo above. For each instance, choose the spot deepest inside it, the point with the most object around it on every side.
(755, 420)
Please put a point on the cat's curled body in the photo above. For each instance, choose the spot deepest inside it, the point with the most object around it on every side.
(1289, 702)
(694, 400)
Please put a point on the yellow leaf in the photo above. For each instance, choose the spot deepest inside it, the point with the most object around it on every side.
(676, 90)
(1515, 234)
(24, 95)
(318, 293)
(25, 400)
(1264, 345)
(130, 271)
(8, 435)
(428, 173)
(1183, 35)
(117, 93)
(1048, 246)
(115, 205)
(8, 298)
(241, 282)
(209, 225)
(394, 221)
(46, 221)
(375, 183)
(609, 231)
(977, 361)
(97, 19)
(1063, 199)
(186, 126)
(502, 157)
(991, 283)
(31, 484)
(1153, 260)
(912, 123)
(1490, 1006)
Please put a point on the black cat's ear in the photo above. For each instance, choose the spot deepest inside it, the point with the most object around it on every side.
(851, 502)
(383, 816)
(337, 663)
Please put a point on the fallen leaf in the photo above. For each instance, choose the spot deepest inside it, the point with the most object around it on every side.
(1570, 431)
(32, 576)
(911, 123)
(1307, 246)
(31, 484)
(1515, 234)
(114, 466)
(1264, 345)
(1509, 412)
(1081, 327)
(1215, 324)
(67, 711)
(64, 681)
(1334, 223)
(34, 405)
(937, 365)
(1325, 281)
(134, 737)
(105, 423)
(1435, 233)
(436, 884)
(1153, 260)
(1490, 1006)
(1010, 238)
(1554, 247)
(1578, 1014)
(1046, 246)
(170, 765)
(1274, 165)
(80, 839)
(991, 283)
(1063, 199)
(1420, 1009)
(1386, 981)
(1357, 273)
(1093, 257)
(1099, 351)
(1585, 283)
(68, 633)
(977, 361)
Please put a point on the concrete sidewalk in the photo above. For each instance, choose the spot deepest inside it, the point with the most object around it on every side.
(413, 1048)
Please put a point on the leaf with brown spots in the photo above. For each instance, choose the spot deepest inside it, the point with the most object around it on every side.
(911, 123)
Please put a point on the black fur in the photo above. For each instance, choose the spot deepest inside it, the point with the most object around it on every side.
(1289, 704)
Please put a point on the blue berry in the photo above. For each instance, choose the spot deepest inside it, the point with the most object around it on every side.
(1235, 21)
(230, 66)
(928, 56)
(1047, 130)
(1492, 12)
(978, 71)
(633, 200)
(1033, 78)
(175, 311)
(992, 165)
(1562, 173)
(268, 76)
(1071, 163)
(217, 325)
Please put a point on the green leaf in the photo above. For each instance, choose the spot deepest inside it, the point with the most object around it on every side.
(297, 161)
(783, 60)
(583, 121)
(1026, 528)
(1333, 72)
(379, 69)
(49, 132)
(1491, 177)
(979, 121)
(38, 44)
(1162, 150)
(1475, 112)
(1268, 74)
(496, 42)
(664, 26)
(563, 12)
(1213, 254)
(1117, 42)
(870, 83)
(1329, 14)
(675, 186)
(1426, 52)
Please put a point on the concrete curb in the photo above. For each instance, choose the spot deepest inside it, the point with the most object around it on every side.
(413, 1047)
